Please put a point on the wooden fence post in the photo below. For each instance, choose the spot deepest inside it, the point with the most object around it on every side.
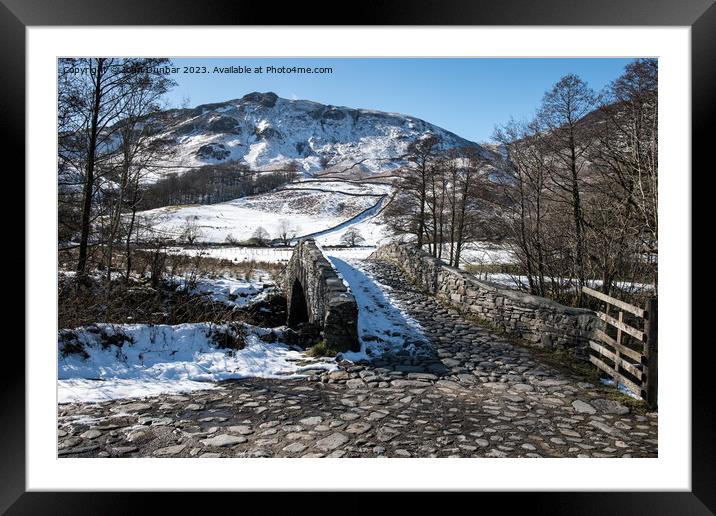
(617, 352)
(651, 351)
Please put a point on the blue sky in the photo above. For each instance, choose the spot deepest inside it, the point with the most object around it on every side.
(466, 96)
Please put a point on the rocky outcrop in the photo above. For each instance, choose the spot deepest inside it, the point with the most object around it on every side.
(537, 320)
(267, 99)
(215, 151)
(317, 295)
(223, 124)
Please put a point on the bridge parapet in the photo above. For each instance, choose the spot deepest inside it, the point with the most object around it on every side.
(317, 295)
(537, 320)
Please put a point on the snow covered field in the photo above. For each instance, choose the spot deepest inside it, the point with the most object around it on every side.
(374, 233)
(308, 208)
(521, 282)
(370, 226)
(476, 253)
(349, 253)
(238, 253)
(351, 187)
(169, 359)
(266, 254)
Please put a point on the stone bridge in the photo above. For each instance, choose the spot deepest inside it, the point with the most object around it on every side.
(317, 295)
(476, 394)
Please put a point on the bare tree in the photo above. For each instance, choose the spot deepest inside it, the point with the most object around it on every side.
(626, 153)
(524, 198)
(191, 231)
(137, 151)
(352, 237)
(435, 201)
(415, 179)
(261, 236)
(94, 93)
(472, 188)
(558, 119)
(286, 231)
(441, 197)
(581, 204)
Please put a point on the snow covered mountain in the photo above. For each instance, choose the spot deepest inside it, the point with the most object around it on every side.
(265, 132)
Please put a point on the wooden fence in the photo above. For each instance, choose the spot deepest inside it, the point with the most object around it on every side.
(631, 356)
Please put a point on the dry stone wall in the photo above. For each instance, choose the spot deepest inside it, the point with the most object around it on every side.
(317, 294)
(537, 320)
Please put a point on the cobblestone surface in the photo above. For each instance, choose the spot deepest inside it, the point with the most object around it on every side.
(466, 393)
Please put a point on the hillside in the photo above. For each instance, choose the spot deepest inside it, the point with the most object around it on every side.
(305, 208)
(264, 131)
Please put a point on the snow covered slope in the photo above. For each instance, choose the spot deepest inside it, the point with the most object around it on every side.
(265, 131)
(308, 207)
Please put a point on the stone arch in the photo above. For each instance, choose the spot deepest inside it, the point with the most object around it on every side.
(316, 294)
(297, 305)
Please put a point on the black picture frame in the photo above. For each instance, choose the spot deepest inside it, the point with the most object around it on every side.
(17, 15)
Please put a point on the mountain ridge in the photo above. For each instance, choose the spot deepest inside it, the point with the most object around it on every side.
(265, 131)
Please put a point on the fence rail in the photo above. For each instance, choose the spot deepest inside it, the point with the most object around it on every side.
(630, 357)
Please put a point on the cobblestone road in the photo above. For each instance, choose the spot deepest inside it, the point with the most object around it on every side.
(469, 393)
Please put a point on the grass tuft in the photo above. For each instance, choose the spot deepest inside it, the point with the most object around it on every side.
(321, 349)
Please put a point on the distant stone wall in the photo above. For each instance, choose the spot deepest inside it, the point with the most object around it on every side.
(317, 295)
(537, 320)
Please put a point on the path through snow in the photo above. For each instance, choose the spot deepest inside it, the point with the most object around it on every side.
(340, 229)
(383, 327)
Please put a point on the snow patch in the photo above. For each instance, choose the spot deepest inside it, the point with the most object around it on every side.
(232, 291)
(169, 359)
(622, 388)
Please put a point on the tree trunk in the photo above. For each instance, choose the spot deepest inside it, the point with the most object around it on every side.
(453, 214)
(577, 209)
(421, 216)
(89, 172)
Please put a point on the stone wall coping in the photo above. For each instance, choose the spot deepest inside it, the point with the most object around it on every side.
(521, 298)
(524, 298)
